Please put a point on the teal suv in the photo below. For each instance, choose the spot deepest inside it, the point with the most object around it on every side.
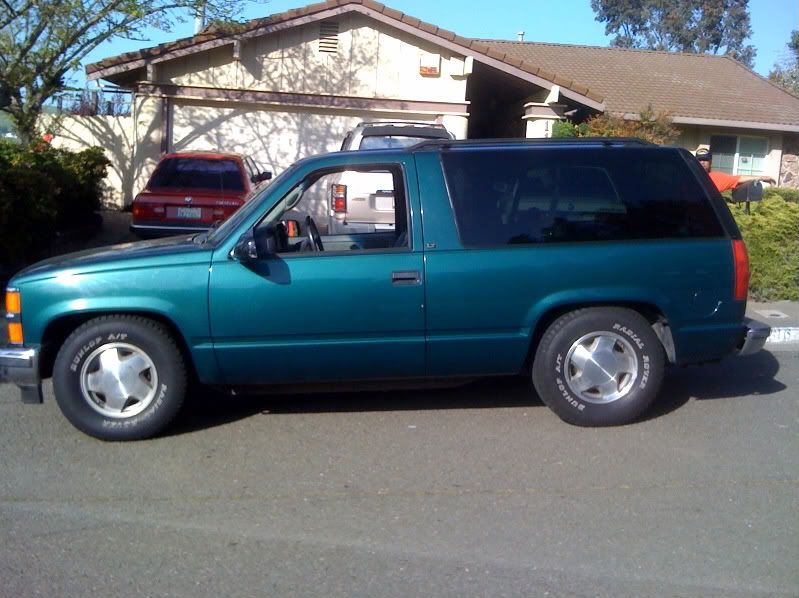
(588, 266)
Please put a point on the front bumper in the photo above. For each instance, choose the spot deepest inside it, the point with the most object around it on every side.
(20, 366)
(756, 335)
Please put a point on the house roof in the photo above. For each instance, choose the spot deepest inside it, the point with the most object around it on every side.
(214, 37)
(695, 89)
(698, 89)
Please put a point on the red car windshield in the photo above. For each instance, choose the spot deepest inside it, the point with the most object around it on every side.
(197, 173)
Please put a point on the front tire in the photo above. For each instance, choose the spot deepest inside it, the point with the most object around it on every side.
(120, 378)
(599, 366)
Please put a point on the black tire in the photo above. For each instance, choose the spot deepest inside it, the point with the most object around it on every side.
(620, 340)
(143, 395)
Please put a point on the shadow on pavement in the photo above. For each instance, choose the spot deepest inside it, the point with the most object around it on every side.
(207, 408)
(754, 375)
(730, 378)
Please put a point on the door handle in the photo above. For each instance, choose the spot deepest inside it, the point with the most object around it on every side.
(408, 277)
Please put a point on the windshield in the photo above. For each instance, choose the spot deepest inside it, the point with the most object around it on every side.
(253, 204)
(389, 141)
(197, 173)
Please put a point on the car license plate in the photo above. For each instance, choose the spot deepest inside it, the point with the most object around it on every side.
(190, 213)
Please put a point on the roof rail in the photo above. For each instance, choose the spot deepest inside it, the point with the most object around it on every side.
(401, 123)
(604, 141)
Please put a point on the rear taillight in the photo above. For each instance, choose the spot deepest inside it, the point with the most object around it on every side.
(741, 262)
(338, 199)
(148, 212)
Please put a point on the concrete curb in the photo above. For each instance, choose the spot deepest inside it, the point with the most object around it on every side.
(783, 335)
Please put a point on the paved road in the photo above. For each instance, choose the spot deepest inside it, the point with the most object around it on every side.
(470, 492)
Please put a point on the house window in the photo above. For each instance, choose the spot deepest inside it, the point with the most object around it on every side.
(739, 155)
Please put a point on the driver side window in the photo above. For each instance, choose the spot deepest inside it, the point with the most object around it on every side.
(358, 208)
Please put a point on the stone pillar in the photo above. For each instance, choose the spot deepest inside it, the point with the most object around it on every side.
(540, 116)
(789, 167)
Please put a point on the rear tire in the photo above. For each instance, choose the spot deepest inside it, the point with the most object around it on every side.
(599, 366)
(120, 378)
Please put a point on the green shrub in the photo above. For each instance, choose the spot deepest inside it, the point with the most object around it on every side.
(785, 193)
(771, 233)
(44, 191)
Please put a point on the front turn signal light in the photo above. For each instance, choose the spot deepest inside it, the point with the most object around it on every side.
(13, 302)
(13, 317)
(15, 336)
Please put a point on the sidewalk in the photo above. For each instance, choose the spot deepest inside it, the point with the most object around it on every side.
(782, 316)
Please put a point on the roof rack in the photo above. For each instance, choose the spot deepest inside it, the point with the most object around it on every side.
(398, 123)
(603, 141)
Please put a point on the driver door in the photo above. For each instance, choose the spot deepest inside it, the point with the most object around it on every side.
(353, 311)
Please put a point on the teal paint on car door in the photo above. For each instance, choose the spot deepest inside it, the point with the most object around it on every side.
(318, 317)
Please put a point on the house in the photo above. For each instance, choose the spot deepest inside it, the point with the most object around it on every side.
(292, 84)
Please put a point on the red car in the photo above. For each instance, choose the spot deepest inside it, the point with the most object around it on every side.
(191, 191)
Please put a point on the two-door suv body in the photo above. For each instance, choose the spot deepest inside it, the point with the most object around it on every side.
(586, 265)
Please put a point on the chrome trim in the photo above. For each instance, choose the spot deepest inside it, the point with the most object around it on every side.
(17, 358)
(757, 334)
(197, 229)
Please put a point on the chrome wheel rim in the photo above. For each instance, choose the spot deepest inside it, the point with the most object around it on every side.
(601, 367)
(118, 380)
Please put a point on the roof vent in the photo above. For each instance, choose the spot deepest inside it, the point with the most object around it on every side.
(328, 37)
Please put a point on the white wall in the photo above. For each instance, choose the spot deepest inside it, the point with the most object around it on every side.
(116, 136)
(373, 61)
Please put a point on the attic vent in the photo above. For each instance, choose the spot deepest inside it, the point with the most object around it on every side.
(328, 37)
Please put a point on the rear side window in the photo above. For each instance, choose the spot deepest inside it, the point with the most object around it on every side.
(197, 173)
(561, 195)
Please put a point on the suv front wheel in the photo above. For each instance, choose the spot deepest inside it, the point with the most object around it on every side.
(120, 378)
(599, 366)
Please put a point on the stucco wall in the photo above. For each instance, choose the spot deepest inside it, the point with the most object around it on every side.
(274, 136)
(372, 61)
(115, 134)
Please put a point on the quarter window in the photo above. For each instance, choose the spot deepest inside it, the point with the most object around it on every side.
(557, 195)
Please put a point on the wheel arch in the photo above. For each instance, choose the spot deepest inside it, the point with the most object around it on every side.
(650, 311)
(58, 330)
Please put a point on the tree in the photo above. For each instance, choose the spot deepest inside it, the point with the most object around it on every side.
(698, 26)
(649, 126)
(41, 41)
(786, 72)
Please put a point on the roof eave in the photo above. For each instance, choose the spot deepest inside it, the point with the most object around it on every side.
(383, 14)
(735, 124)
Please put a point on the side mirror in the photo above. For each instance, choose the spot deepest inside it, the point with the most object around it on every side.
(245, 249)
(261, 177)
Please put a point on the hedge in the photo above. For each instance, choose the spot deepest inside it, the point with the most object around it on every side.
(771, 232)
(43, 192)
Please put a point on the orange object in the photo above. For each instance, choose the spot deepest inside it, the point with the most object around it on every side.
(15, 333)
(724, 181)
(13, 302)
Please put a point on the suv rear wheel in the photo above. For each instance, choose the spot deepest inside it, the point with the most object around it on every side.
(120, 378)
(599, 366)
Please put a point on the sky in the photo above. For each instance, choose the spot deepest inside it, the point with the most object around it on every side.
(557, 21)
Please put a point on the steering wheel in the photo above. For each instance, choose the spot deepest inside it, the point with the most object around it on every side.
(313, 234)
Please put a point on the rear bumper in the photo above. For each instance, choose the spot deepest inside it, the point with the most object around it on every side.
(754, 338)
(20, 366)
